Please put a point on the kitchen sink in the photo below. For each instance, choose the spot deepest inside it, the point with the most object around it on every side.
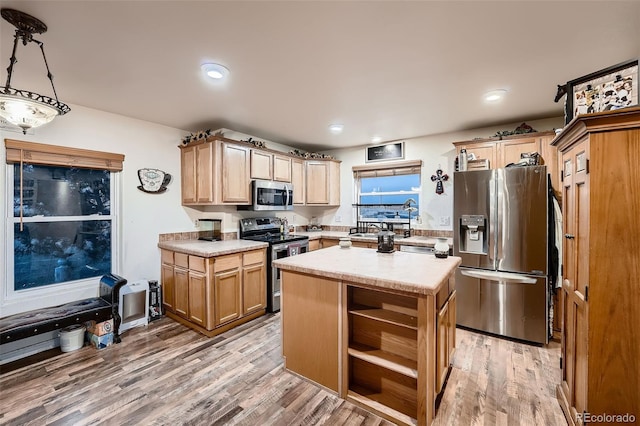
(364, 235)
(372, 235)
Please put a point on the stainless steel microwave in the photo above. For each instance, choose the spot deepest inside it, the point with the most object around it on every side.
(270, 195)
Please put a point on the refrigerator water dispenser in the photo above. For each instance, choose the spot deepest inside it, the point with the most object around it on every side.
(473, 235)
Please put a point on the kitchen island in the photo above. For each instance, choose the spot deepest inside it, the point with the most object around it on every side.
(378, 329)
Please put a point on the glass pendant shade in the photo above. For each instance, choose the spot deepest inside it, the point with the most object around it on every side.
(25, 113)
(23, 108)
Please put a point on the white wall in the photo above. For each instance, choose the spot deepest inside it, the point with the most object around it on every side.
(436, 151)
(143, 215)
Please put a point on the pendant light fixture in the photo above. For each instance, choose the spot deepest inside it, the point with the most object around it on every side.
(21, 107)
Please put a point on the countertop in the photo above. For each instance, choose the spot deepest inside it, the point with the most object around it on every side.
(211, 248)
(410, 241)
(414, 273)
(217, 248)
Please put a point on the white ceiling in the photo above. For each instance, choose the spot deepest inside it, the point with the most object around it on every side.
(396, 69)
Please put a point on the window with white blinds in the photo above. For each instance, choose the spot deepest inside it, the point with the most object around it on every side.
(384, 187)
(62, 218)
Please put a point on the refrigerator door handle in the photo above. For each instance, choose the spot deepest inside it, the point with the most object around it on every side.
(493, 220)
(505, 277)
(500, 216)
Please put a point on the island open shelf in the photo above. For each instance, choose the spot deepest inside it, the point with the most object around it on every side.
(380, 338)
(383, 352)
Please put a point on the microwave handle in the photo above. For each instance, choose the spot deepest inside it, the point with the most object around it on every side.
(286, 189)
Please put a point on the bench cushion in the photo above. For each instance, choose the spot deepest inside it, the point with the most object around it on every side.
(30, 323)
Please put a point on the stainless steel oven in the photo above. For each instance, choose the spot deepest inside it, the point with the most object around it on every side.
(267, 229)
(279, 251)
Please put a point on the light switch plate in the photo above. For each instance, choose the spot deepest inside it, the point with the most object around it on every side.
(445, 220)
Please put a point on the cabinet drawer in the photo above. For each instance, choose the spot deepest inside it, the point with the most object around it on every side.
(197, 263)
(181, 259)
(166, 256)
(252, 257)
(224, 263)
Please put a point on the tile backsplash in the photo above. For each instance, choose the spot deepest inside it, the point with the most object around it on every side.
(193, 235)
(414, 232)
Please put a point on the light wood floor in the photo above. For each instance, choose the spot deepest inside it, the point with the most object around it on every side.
(166, 374)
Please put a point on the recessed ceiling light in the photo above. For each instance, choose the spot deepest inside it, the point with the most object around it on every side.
(336, 128)
(494, 95)
(376, 139)
(215, 71)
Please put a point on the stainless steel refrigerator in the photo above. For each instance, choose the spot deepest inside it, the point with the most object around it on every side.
(500, 232)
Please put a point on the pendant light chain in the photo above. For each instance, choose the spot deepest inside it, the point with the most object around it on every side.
(46, 64)
(12, 61)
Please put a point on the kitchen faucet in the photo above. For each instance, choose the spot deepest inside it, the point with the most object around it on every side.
(375, 225)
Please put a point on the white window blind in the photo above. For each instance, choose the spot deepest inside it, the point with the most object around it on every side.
(393, 169)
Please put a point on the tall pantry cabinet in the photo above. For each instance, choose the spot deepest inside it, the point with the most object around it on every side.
(600, 160)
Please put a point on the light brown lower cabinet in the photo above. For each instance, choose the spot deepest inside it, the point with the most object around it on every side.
(254, 290)
(227, 296)
(214, 294)
(198, 298)
(168, 284)
(364, 244)
(377, 349)
(181, 279)
(314, 245)
(446, 340)
(328, 242)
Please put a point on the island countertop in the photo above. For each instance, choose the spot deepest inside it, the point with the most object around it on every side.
(398, 271)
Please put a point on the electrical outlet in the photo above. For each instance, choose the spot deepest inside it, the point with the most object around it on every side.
(338, 218)
(445, 220)
(196, 221)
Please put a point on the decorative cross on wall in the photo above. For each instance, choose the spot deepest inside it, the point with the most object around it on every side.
(439, 177)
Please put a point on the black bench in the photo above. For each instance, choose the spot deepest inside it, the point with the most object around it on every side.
(103, 308)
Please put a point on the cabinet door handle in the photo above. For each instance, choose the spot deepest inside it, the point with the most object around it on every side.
(569, 236)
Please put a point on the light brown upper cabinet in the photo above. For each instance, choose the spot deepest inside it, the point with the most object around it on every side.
(261, 165)
(189, 175)
(315, 182)
(281, 168)
(219, 171)
(270, 166)
(236, 181)
(215, 172)
(298, 180)
(501, 152)
(322, 183)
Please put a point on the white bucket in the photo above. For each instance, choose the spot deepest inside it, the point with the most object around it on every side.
(72, 338)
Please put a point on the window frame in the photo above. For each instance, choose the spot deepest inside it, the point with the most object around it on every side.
(10, 293)
(22, 152)
(382, 170)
